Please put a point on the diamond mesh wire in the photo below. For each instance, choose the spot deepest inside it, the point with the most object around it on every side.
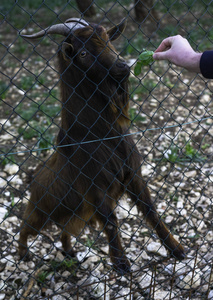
(171, 125)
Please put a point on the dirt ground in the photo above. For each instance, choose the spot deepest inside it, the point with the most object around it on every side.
(172, 125)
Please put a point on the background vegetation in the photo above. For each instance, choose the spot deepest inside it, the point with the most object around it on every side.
(171, 113)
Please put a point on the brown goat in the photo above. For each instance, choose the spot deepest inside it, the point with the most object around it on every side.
(82, 182)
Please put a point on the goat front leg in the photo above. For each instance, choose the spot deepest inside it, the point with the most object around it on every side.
(140, 195)
(108, 221)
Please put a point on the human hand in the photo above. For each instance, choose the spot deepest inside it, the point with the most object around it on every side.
(178, 51)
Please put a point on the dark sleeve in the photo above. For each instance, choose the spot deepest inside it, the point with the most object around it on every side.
(206, 64)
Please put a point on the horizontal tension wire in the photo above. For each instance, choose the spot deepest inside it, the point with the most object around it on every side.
(105, 139)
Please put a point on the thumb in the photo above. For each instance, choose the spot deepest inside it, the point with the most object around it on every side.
(160, 55)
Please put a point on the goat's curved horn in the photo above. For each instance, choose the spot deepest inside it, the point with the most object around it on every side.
(63, 29)
(77, 20)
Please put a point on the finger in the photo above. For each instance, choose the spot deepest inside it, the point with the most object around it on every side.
(160, 55)
(165, 45)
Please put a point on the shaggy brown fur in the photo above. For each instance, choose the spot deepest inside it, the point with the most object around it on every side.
(83, 182)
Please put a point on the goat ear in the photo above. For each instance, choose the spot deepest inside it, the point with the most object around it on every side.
(67, 50)
(116, 31)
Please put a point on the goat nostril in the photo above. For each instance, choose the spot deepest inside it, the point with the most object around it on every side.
(121, 64)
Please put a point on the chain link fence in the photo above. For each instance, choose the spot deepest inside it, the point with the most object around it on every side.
(171, 123)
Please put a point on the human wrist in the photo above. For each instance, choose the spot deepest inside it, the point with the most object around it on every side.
(193, 62)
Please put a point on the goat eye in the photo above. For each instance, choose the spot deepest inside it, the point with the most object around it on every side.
(83, 53)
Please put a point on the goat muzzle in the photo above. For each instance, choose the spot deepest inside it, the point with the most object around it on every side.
(120, 70)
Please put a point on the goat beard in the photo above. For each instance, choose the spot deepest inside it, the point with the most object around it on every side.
(119, 97)
(114, 88)
(120, 91)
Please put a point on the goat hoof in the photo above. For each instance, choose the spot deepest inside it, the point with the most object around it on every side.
(179, 253)
(69, 254)
(122, 266)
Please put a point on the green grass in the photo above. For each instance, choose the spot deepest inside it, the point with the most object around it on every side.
(27, 82)
(173, 198)
(9, 159)
(143, 87)
(134, 46)
(205, 146)
(48, 109)
(178, 155)
(32, 129)
(39, 130)
(25, 13)
(191, 153)
(20, 13)
(91, 243)
(167, 81)
(37, 120)
(4, 87)
(190, 18)
(179, 7)
(54, 266)
(70, 265)
(167, 30)
(135, 116)
(42, 276)
(24, 6)
(27, 113)
(20, 47)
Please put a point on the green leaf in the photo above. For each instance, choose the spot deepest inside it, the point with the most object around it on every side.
(146, 58)
(137, 69)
